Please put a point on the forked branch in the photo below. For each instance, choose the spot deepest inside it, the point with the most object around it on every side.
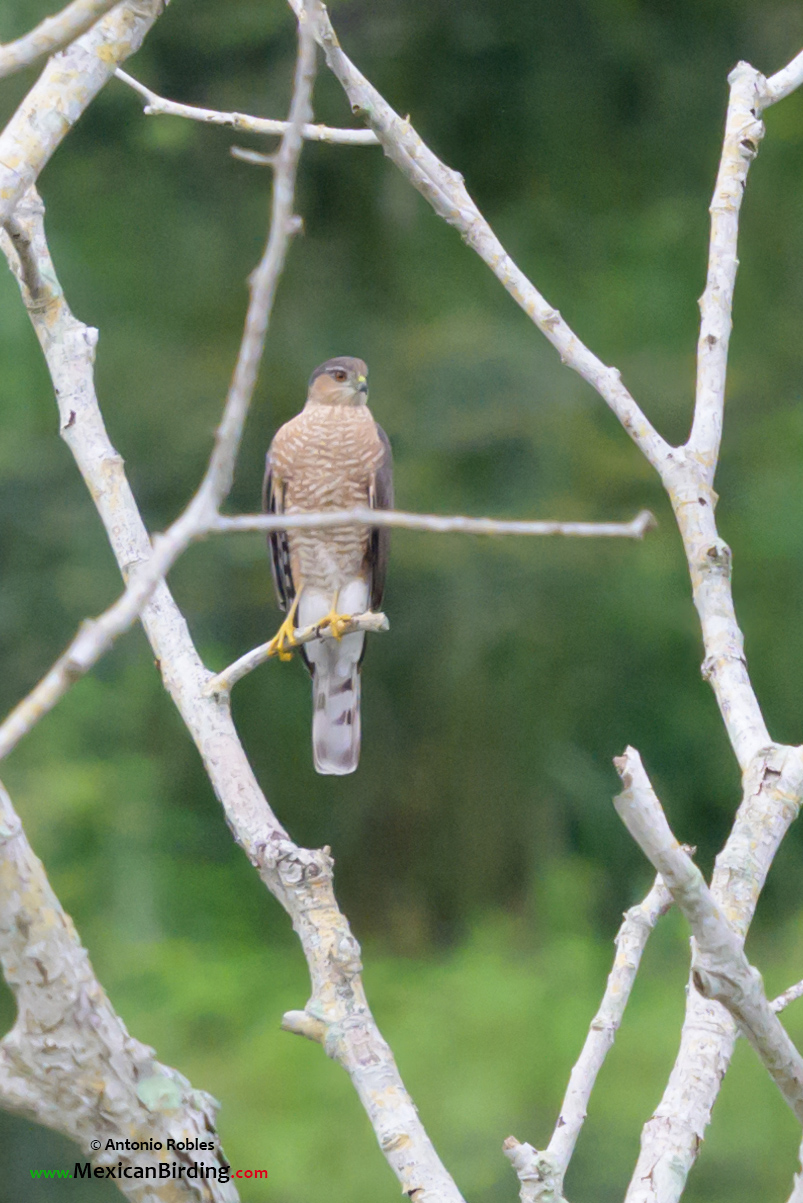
(720, 969)
(541, 1174)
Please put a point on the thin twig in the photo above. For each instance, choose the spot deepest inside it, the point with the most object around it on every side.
(789, 996)
(437, 523)
(541, 1174)
(254, 157)
(158, 106)
(223, 681)
(720, 969)
(51, 34)
(631, 941)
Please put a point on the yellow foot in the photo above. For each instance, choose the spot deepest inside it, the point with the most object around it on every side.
(285, 637)
(336, 623)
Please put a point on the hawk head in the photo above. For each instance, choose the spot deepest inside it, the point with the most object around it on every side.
(341, 381)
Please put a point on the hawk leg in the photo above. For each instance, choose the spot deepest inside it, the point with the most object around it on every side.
(334, 621)
(285, 637)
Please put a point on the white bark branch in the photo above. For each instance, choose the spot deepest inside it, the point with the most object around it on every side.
(51, 34)
(66, 86)
(671, 1137)
(772, 774)
(446, 192)
(299, 878)
(223, 681)
(158, 106)
(689, 477)
(69, 1062)
(541, 1174)
(783, 83)
(743, 133)
(437, 523)
(720, 970)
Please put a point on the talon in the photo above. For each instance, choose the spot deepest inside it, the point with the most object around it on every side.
(285, 637)
(336, 623)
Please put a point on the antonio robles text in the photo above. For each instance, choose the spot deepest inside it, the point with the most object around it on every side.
(176, 1145)
(164, 1169)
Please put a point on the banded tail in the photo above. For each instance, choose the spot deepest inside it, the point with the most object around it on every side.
(335, 668)
(336, 712)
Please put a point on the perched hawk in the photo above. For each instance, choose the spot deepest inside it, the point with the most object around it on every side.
(331, 456)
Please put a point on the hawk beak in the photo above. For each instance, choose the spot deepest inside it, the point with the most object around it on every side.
(362, 384)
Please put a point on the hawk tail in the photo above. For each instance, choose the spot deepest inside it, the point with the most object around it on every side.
(336, 717)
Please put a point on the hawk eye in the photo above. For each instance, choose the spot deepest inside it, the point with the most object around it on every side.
(340, 375)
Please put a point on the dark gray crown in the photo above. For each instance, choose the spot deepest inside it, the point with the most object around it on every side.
(347, 362)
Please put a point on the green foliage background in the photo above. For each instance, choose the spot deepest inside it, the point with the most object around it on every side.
(478, 854)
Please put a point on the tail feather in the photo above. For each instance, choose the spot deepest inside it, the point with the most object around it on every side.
(336, 718)
(335, 668)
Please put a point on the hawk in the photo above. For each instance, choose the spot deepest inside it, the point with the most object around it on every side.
(331, 456)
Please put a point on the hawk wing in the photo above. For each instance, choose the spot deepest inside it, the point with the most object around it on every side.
(273, 503)
(380, 497)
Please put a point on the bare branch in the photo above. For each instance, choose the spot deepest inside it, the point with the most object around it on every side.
(772, 774)
(69, 1062)
(437, 523)
(223, 681)
(689, 477)
(671, 1137)
(541, 1174)
(631, 940)
(743, 133)
(783, 82)
(62, 92)
(51, 34)
(720, 970)
(158, 106)
(445, 191)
